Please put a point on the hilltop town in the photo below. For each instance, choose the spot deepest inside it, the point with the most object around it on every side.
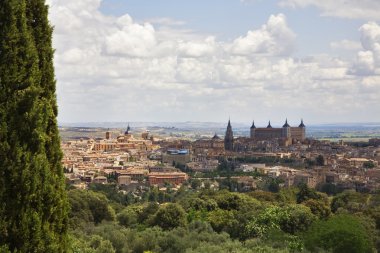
(269, 159)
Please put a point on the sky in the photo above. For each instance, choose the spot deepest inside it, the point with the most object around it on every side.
(210, 60)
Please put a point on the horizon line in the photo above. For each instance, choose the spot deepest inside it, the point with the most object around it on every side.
(213, 122)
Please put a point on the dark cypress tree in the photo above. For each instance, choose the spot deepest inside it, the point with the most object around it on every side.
(41, 30)
(33, 212)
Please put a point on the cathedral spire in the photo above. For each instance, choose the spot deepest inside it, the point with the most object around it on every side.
(253, 125)
(229, 137)
(269, 125)
(128, 129)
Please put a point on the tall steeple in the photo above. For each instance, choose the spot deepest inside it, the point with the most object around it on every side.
(229, 138)
(269, 125)
(253, 125)
(128, 129)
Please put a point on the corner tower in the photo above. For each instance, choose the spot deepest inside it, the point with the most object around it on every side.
(253, 130)
(298, 133)
(285, 132)
(303, 130)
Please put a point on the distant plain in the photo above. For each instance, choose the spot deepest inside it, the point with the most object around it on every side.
(356, 132)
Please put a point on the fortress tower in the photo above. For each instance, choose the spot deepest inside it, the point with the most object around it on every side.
(253, 129)
(286, 130)
(298, 133)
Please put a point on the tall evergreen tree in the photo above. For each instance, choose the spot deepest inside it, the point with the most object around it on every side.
(33, 211)
(41, 30)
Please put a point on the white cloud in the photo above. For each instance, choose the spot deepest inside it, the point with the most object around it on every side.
(131, 39)
(371, 84)
(197, 49)
(72, 56)
(190, 70)
(116, 69)
(363, 9)
(365, 63)
(370, 38)
(368, 59)
(275, 37)
(346, 45)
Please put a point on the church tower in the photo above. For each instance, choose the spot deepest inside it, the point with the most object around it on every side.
(127, 131)
(253, 130)
(229, 138)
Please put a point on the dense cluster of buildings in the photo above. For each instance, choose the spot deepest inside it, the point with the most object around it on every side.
(124, 160)
(283, 153)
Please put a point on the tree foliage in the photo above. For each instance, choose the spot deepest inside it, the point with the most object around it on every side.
(290, 219)
(306, 193)
(350, 201)
(33, 216)
(88, 206)
(170, 216)
(223, 221)
(342, 233)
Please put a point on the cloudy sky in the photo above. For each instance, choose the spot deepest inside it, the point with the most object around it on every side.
(207, 60)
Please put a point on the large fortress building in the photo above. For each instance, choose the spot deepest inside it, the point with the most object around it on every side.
(285, 135)
(284, 132)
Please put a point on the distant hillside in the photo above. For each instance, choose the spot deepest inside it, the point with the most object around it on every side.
(194, 130)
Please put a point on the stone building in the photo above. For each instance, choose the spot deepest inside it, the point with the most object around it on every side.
(124, 142)
(124, 180)
(206, 148)
(181, 156)
(159, 178)
(284, 132)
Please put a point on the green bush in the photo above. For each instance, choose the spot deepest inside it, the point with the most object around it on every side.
(170, 216)
(341, 233)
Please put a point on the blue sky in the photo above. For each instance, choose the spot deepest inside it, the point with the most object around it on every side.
(176, 60)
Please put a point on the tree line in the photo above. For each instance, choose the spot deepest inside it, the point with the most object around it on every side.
(296, 219)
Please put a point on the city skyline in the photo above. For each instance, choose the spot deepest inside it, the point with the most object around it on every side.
(202, 61)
